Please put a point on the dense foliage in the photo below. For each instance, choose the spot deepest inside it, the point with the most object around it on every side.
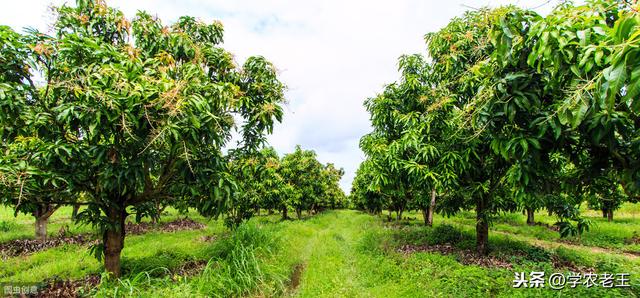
(296, 181)
(129, 113)
(508, 111)
(315, 186)
(512, 110)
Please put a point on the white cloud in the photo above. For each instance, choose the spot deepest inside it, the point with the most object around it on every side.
(331, 54)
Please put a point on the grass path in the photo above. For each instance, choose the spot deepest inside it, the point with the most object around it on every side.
(341, 253)
(339, 260)
(332, 266)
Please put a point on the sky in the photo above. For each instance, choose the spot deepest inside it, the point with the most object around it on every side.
(331, 54)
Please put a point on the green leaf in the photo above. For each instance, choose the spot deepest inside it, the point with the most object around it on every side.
(615, 76)
(598, 57)
(632, 95)
(511, 112)
(535, 143)
(524, 145)
(583, 36)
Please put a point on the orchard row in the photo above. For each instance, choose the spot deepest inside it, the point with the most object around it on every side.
(510, 111)
(128, 116)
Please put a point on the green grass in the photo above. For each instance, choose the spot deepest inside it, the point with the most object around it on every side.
(444, 274)
(141, 253)
(334, 254)
(22, 225)
(611, 235)
(351, 254)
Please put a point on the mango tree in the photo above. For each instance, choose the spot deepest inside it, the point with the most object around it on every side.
(447, 94)
(332, 195)
(274, 192)
(309, 185)
(302, 171)
(409, 148)
(145, 109)
(31, 182)
(587, 60)
(259, 185)
(362, 196)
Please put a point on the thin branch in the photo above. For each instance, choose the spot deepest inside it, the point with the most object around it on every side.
(467, 6)
(541, 5)
(21, 188)
(153, 140)
(186, 156)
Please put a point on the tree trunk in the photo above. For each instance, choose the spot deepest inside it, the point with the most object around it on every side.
(113, 240)
(604, 212)
(399, 214)
(610, 215)
(155, 218)
(42, 214)
(549, 212)
(74, 213)
(482, 227)
(299, 213)
(425, 215)
(270, 211)
(41, 227)
(530, 217)
(285, 213)
(432, 207)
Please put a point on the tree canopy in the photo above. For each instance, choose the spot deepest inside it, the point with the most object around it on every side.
(130, 111)
(513, 110)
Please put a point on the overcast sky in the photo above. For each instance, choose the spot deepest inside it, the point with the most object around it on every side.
(331, 54)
